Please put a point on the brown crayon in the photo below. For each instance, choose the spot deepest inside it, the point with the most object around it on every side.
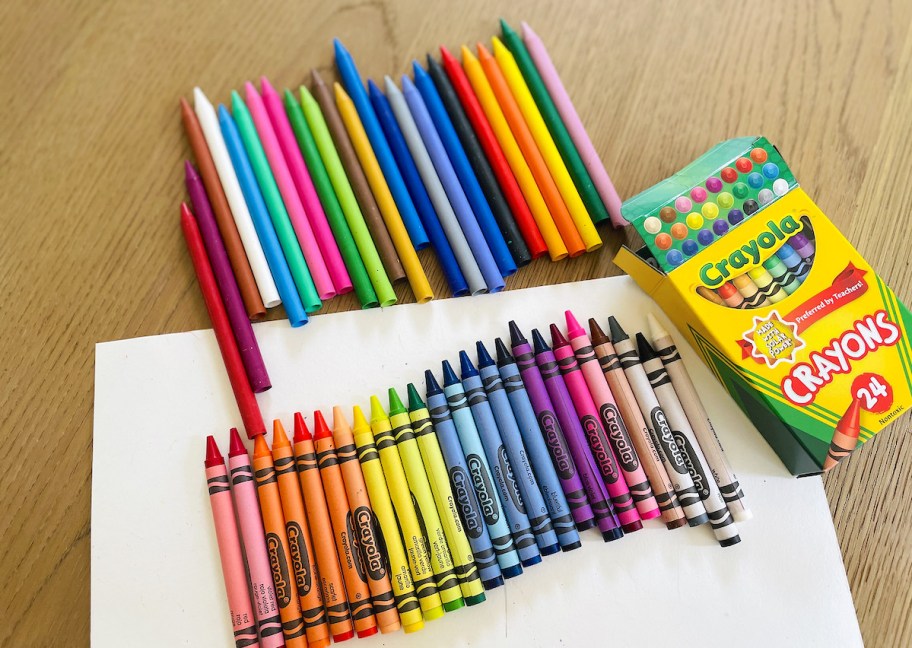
(710, 295)
(845, 436)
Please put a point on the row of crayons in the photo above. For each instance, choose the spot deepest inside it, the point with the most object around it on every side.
(396, 520)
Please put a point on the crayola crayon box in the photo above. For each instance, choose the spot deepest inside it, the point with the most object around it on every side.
(797, 326)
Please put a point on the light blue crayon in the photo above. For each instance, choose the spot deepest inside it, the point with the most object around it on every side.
(793, 262)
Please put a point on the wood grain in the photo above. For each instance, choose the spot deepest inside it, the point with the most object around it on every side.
(90, 173)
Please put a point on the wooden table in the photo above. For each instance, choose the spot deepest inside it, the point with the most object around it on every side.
(91, 148)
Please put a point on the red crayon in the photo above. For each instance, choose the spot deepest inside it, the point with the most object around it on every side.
(845, 436)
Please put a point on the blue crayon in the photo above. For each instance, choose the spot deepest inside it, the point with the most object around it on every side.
(796, 266)
(529, 429)
(275, 259)
(536, 509)
(471, 512)
(482, 477)
(504, 476)
(467, 178)
(447, 174)
(351, 79)
(419, 194)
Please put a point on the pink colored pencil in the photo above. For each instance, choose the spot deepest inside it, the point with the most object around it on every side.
(610, 417)
(578, 134)
(306, 191)
(229, 545)
(247, 509)
(296, 213)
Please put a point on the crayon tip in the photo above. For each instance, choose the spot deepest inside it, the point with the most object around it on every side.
(538, 342)
(358, 418)
(185, 106)
(301, 433)
(377, 412)
(498, 46)
(223, 113)
(617, 333)
(573, 326)
(850, 423)
(417, 70)
(199, 97)
(644, 348)
(505, 28)
(339, 48)
(390, 85)
(266, 87)
(466, 368)
(396, 406)
(407, 85)
(235, 445)
(527, 31)
(449, 376)
(656, 330)
(430, 383)
(431, 62)
(236, 102)
(504, 357)
(316, 78)
(414, 399)
(288, 96)
(190, 172)
(321, 430)
(557, 338)
(596, 333)
(341, 95)
(213, 456)
(483, 52)
(279, 438)
(338, 417)
(260, 447)
(516, 336)
(186, 213)
(445, 54)
(250, 90)
(484, 358)
(466, 54)
(372, 89)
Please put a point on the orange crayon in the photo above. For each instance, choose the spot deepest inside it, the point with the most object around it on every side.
(299, 542)
(845, 436)
(331, 582)
(277, 545)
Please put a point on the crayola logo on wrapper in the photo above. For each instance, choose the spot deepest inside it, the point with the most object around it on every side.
(598, 444)
(279, 569)
(666, 440)
(557, 445)
(512, 487)
(617, 432)
(351, 534)
(468, 505)
(484, 488)
(373, 559)
(694, 467)
(749, 255)
(300, 561)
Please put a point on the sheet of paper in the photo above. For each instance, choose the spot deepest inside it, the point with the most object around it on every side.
(156, 578)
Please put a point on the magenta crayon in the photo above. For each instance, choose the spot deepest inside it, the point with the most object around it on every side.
(229, 544)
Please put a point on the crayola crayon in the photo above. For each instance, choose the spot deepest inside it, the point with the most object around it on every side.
(781, 275)
(529, 489)
(367, 490)
(300, 542)
(804, 247)
(413, 533)
(464, 561)
(793, 263)
(765, 284)
(845, 436)
(491, 440)
(662, 488)
(710, 295)
(483, 479)
(283, 576)
(613, 424)
(552, 434)
(333, 586)
(229, 545)
(657, 423)
(753, 298)
(473, 514)
(731, 296)
(605, 516)
(250, 523)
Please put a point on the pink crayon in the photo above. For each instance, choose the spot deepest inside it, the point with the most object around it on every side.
(595, 434)
(247, 509)
(296, 213)
(306, 191)
(611, 420)
(242, 622)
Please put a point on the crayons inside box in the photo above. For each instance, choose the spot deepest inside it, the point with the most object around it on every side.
(797, 326)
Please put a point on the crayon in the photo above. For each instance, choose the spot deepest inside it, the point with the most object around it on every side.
(234, 366)
(574, 124)
(803, 246)
(720, 517)
(753, 298)
(649, 456)
(227, 200)
(316, 217)
(283, 576)
(524, 176)
(845, 436)
(793, 263)
(419, 194)
(781, 275)
(250, 523)
(413, 533)
(504, 475)
(601, 449)
(731, 296)
(355, 87)
(254, 366)
(536, 448)
(262, 222)
(612, 422)
(475, 514)
(518, 209)
(512, 111)
(243, 623)
(289, 193)
(449, 222)
(483, 478)
(699, 420)
(338, 611)
(523, 473)
(359, 183)
(388, 211)
(605, 516)
(555, 125)
(469, 573)
(330, 490)
(300, 543)
(553, 435)
(455, 192)
(273, 199)
(448, 582)
(765, 284)
(710, 295)
(496, 201)
(340, 232)
(360, 445)
(657, 423)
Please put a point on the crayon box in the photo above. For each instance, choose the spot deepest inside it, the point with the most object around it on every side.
(808, 340)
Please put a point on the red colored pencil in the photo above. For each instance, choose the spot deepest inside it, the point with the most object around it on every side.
(498, 161)
(246, 401)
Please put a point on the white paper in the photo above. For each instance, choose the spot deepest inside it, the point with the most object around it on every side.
(156, 578)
